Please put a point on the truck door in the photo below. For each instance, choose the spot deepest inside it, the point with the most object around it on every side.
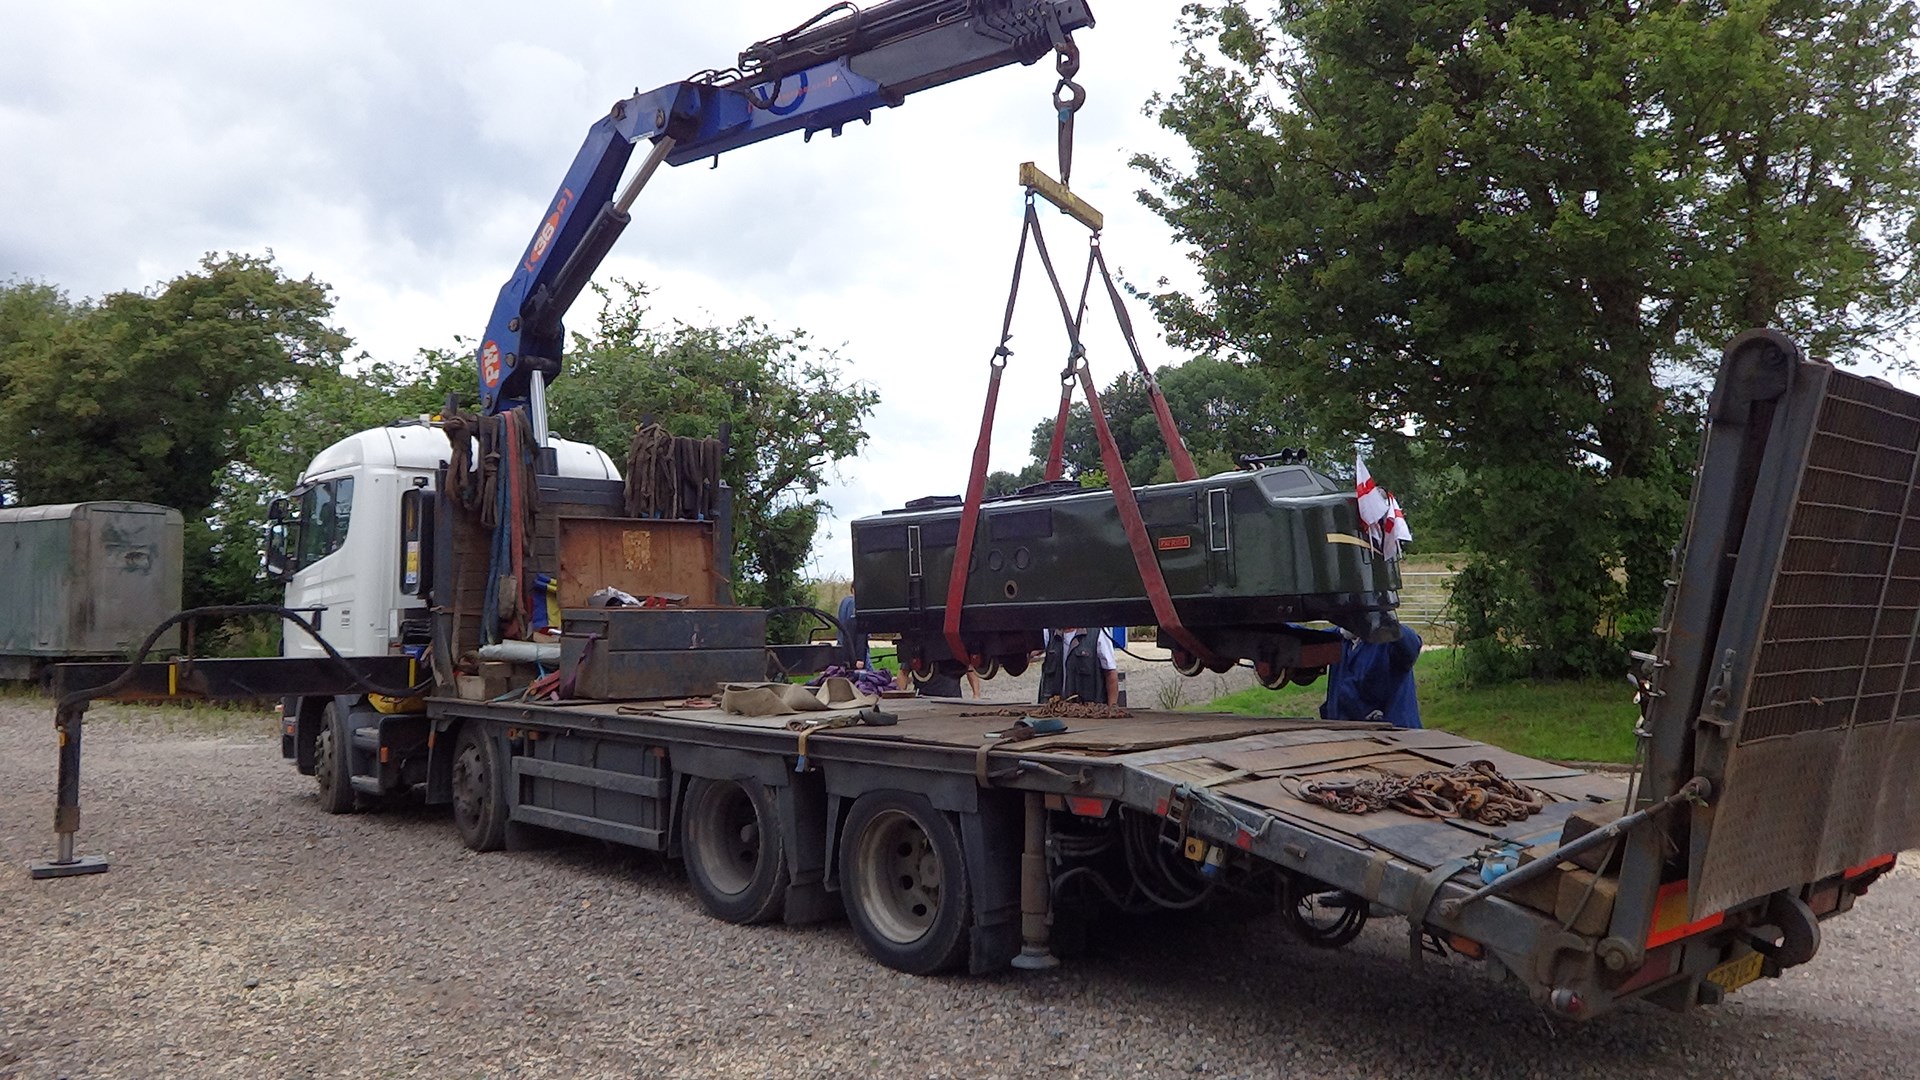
(312, 528)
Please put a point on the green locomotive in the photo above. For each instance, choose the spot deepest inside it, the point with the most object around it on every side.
(1247, 557)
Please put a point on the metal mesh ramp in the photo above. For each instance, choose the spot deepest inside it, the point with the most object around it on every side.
(1810, 687)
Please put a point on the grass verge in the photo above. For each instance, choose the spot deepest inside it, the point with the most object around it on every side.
(1585, 720)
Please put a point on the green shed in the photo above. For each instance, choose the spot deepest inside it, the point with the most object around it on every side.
(85, 580)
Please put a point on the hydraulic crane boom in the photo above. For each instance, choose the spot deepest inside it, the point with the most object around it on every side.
(837, 67)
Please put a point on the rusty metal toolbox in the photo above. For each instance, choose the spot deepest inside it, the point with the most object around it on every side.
(633, 653)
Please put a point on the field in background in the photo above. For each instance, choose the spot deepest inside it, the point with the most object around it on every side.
(1426, 584)
(1590, 720)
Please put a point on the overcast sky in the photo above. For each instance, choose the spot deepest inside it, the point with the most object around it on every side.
(404, 153)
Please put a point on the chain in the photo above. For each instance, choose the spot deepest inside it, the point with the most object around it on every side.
(1474, 791)
(1065, 710)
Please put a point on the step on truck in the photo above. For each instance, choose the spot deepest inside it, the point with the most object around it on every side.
(1779, 733)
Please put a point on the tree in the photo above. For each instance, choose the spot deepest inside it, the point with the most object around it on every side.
(144, 395)
(1220, 408)
(325, 406)
(790, 412)
(1523, 230)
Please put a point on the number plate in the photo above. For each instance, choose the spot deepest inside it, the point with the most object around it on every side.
(1735, 974)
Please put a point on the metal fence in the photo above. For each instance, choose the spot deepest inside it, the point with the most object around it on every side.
(1423, 602)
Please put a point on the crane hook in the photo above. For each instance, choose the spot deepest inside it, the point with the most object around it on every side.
(1068, 96)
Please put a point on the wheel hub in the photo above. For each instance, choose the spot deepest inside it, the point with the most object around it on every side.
(899, 878)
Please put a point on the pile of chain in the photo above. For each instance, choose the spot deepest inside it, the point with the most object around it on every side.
(1065, 710)
(1474, 791)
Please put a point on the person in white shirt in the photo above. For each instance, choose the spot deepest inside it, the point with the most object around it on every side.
(1079, 665)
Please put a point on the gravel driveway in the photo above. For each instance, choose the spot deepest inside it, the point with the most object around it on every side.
(244, 933)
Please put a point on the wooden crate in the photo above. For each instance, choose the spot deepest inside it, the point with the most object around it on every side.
(640, 555)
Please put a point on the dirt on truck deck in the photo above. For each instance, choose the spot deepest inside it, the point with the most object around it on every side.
(242, 932)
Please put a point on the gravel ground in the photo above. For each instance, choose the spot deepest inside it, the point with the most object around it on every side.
(242, 932)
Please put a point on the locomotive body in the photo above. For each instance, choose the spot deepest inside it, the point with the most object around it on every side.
(1246, 556)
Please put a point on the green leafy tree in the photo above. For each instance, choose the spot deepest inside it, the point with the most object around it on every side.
(789, 410)
(145, 395)
(1523, 230)
(1002, 482)
(325, 406)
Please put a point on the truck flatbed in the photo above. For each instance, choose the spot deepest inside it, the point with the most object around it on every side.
(1227, 779)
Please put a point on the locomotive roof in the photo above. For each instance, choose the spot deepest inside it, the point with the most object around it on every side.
(1274, 481)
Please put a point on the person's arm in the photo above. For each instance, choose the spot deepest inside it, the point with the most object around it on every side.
(1405, 651)
(1113, 687)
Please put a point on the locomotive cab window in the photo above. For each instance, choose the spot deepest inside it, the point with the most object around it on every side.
(1219, 525)
(1292, 480)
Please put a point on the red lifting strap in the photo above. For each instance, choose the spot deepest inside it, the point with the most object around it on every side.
(1056, 455)
(1176, 446)
(1151, 579)
(977, 477)
(970, 520)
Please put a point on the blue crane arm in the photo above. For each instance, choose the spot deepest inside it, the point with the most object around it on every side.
(838, 67)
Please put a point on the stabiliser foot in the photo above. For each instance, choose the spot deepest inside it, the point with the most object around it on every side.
(85, 864)
(1035, 959)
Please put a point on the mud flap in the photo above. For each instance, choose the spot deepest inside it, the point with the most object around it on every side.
(992, 838)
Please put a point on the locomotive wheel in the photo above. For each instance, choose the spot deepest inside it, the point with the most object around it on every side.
(1307, 676)
(736, 863)
(988, 671)
(1014, 665)
(1273, 678)
(1223, 665)
(1186, 663)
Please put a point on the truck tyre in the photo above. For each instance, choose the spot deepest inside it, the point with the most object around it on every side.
(479, 790)
(333, 762)
(730, 836)
(903, 876)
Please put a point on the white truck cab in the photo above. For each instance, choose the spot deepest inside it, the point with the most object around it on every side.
(337, 538)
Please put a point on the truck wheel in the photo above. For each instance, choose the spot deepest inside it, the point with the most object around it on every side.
(479, 796)
(731, 839)
(904, 878)
(332, 762)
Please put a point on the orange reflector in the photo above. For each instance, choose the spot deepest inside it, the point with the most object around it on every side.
(1670, 916)
(383, 754)
(1088, 806)
(1467, 947)
(1870, 866)
(430, 739)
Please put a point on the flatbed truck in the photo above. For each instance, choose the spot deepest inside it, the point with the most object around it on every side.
(1779, 735)
(1774, 788)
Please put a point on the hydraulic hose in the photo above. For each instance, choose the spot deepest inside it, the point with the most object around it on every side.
(77, 698)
